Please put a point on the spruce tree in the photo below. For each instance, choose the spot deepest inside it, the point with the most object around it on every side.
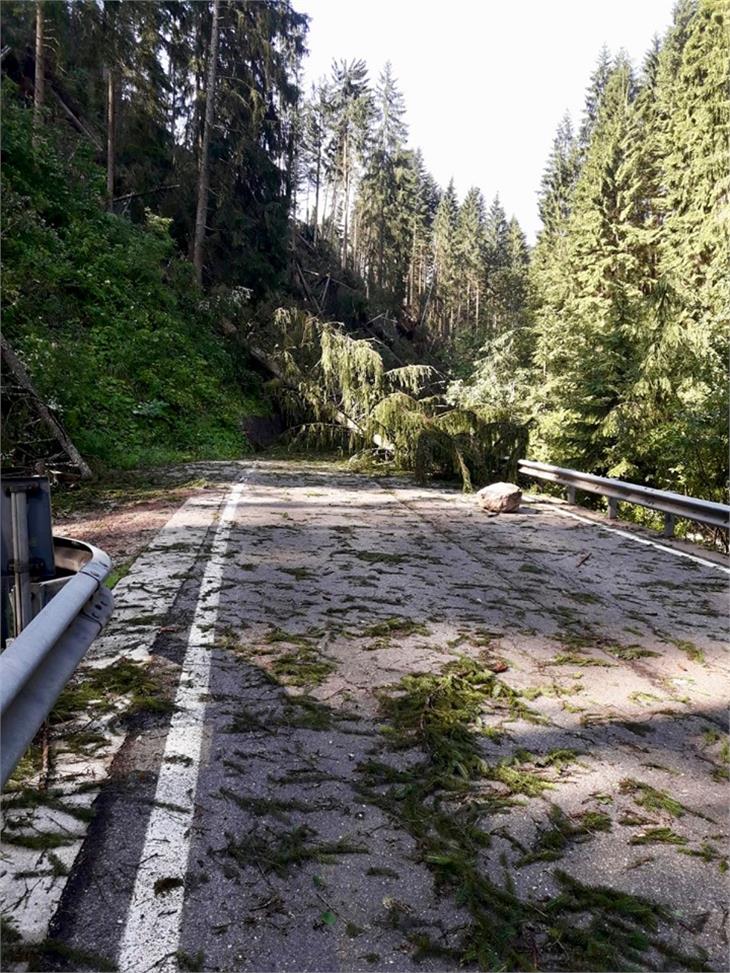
(679, 404)
(471, 247)
(442, 312)
(591, 327)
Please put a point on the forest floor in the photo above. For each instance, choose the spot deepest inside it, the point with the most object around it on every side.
(368, 727)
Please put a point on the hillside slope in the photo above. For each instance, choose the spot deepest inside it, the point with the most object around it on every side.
(106, 318)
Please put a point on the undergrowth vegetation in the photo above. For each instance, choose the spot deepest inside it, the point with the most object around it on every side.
(106, 318)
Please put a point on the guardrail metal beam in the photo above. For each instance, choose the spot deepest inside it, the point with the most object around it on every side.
(36, 666)
(672, 505)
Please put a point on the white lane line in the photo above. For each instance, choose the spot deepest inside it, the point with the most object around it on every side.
(152, 932)
(641, 540)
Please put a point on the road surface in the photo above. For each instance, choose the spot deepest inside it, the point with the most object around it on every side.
(289, 812)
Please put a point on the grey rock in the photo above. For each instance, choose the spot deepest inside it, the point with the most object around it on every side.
(500, 498)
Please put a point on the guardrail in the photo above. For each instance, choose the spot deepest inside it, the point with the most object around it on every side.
(672, 505)
(37, 664)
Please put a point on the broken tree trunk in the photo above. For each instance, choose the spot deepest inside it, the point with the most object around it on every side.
(75, 120)
(23, 379)
(339, 417)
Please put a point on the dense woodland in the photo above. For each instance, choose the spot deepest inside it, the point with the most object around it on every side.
(192, 239)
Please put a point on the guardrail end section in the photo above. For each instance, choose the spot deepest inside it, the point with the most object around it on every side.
(23, 713)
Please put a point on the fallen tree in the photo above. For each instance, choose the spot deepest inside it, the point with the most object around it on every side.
(335, 390)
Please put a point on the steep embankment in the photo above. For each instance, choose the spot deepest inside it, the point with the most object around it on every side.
(107, 320)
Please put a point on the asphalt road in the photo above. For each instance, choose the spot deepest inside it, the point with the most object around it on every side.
(248, 830)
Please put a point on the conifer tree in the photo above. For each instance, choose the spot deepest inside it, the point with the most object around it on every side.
(471, 246)
(558, 179)
(590, 337)
(593, 96)
(445, 265)
(676, 413)
(351, 117)
(381, 202)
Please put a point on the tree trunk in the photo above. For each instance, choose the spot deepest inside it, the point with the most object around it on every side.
(316, 192)
(39, 82)
(346, 177)
(204, 175)
(111, 136)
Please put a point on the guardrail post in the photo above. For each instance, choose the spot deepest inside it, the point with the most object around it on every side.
(21, 560)
(612, 508)
(570, 494)
(669, 525)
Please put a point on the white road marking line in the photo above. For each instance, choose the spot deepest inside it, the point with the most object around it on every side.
(152, 932)
(642, 540)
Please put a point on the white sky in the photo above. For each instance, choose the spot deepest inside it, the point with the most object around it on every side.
(485, 81)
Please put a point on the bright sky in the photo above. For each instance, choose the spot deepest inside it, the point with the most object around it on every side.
(486, 82)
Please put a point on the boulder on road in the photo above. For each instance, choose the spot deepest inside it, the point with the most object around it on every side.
(500, 498)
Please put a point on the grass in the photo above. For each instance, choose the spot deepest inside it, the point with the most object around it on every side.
(117, 573)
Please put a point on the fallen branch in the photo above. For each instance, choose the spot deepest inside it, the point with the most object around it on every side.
(147, 192)
(23, 379)
(76, 122)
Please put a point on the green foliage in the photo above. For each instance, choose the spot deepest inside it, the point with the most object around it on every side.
(554, 840)
(630, 272)
(106, 318)
(346, 396)
(280, 852)
(619, 364)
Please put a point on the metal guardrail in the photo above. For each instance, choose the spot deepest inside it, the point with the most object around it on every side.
(672, 505)
(38, 663)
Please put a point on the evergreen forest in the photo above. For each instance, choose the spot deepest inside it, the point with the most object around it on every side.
(201, 257)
